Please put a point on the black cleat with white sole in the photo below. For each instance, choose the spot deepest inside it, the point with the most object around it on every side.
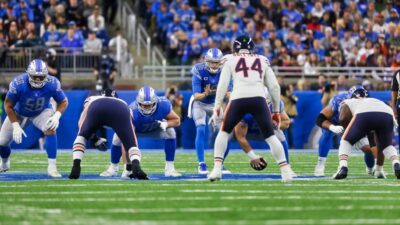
(341, 174)
(137, 172)
(76, 170)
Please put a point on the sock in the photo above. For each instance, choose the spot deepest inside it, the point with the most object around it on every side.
(321, 161)
(51, 146)
(286, 149)
(169, 165)
(5, 152)
(344, 152)
(78, 148)
(277, 150)
(325, 143)
(391, 154)
(369, 160)
(199, 143)
(52, 162)
(134, 154)
(116, 153)
(169, 148)
(221, 143)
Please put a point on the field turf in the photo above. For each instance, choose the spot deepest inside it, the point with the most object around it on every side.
(360, 199)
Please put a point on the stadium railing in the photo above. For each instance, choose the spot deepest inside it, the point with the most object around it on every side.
(74, 64)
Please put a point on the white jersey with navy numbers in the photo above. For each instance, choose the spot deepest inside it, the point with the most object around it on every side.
(362, 105)
(250, 73)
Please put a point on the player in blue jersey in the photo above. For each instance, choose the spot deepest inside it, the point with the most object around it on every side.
(28, 100)
(328, 119)
(248, 127)
(152, 117)
(205, 77)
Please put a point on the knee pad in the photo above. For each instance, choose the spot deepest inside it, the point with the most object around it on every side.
(169, 133)
(116, 141)
(4, 141)
(361, 143)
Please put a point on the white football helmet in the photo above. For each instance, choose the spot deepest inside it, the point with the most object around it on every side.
(213, 59)
(37, 71)
(147, 100)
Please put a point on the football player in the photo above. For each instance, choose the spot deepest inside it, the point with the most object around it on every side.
(28, 100)
(248, 126)
(328, 120)
(205, 78)
(250, 74)
(107, 110)
(152, 117)
(361, 115)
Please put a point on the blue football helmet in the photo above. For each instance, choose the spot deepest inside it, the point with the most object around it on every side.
(37, 72)
(213, 59)
(357, 91)
(147, 101)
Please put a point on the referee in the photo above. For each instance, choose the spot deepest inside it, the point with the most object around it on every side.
(395, 100)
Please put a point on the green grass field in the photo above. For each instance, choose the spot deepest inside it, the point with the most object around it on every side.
(360, 199)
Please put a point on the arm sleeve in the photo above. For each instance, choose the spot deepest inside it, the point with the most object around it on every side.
(273, 88)
(196, 81)
(12, 93)
(223, 84)
(58, 95)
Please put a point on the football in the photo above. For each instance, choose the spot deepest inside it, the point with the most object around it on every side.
(258, 164)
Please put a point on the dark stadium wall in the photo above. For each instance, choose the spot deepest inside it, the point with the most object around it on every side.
(308, 107)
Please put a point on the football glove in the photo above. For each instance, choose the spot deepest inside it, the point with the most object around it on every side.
(54, 121)
(336, 129)
(276, 120)
(18, 132)
(163, 124)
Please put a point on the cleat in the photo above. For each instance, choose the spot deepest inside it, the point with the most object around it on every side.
(215, 175)
(203, 168)
(101, 144)
(341, 173)
(319, 170)
(4, 167)
(370, 170)
(137, 172)
(126, 175)
(379, 174)
(111, 171)
(76, 170)
(225, 171)
(396, 169)
(172, 173)
(53, 173)
(286, 174)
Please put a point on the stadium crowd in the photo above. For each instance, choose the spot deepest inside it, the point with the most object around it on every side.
(289, 33)
(73, 25)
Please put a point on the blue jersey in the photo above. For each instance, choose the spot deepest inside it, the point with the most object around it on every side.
(252, 126)
(144, 124)
(29, 101)
(201, 77)
(335, 103)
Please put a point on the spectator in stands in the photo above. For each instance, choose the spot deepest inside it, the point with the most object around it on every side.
(31, 39)
(3, 9)
(20, 8)
(13, 34)
(176, 24)
(110, 11)
(119, 46)
(347, 43)
(192, 52)
(289, 101)
(320, 84)
(310, 64)
(341, 84)
(51, 10)
(326, 41)
(92, 44)
(74, 12)
(70, 42)
(52, 64)
(396, 63)
(186, 14)
(205, 12)
(96, 21)
(88, 7)
(61, 23)
(52, 37)
(376, 59)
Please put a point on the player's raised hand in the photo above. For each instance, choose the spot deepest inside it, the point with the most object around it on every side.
(336, 129)
(163, 124)
(54, 121)
(18, 132)
(276, 120)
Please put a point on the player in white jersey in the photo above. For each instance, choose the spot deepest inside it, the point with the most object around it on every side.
(250, 74)
(361, 115)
